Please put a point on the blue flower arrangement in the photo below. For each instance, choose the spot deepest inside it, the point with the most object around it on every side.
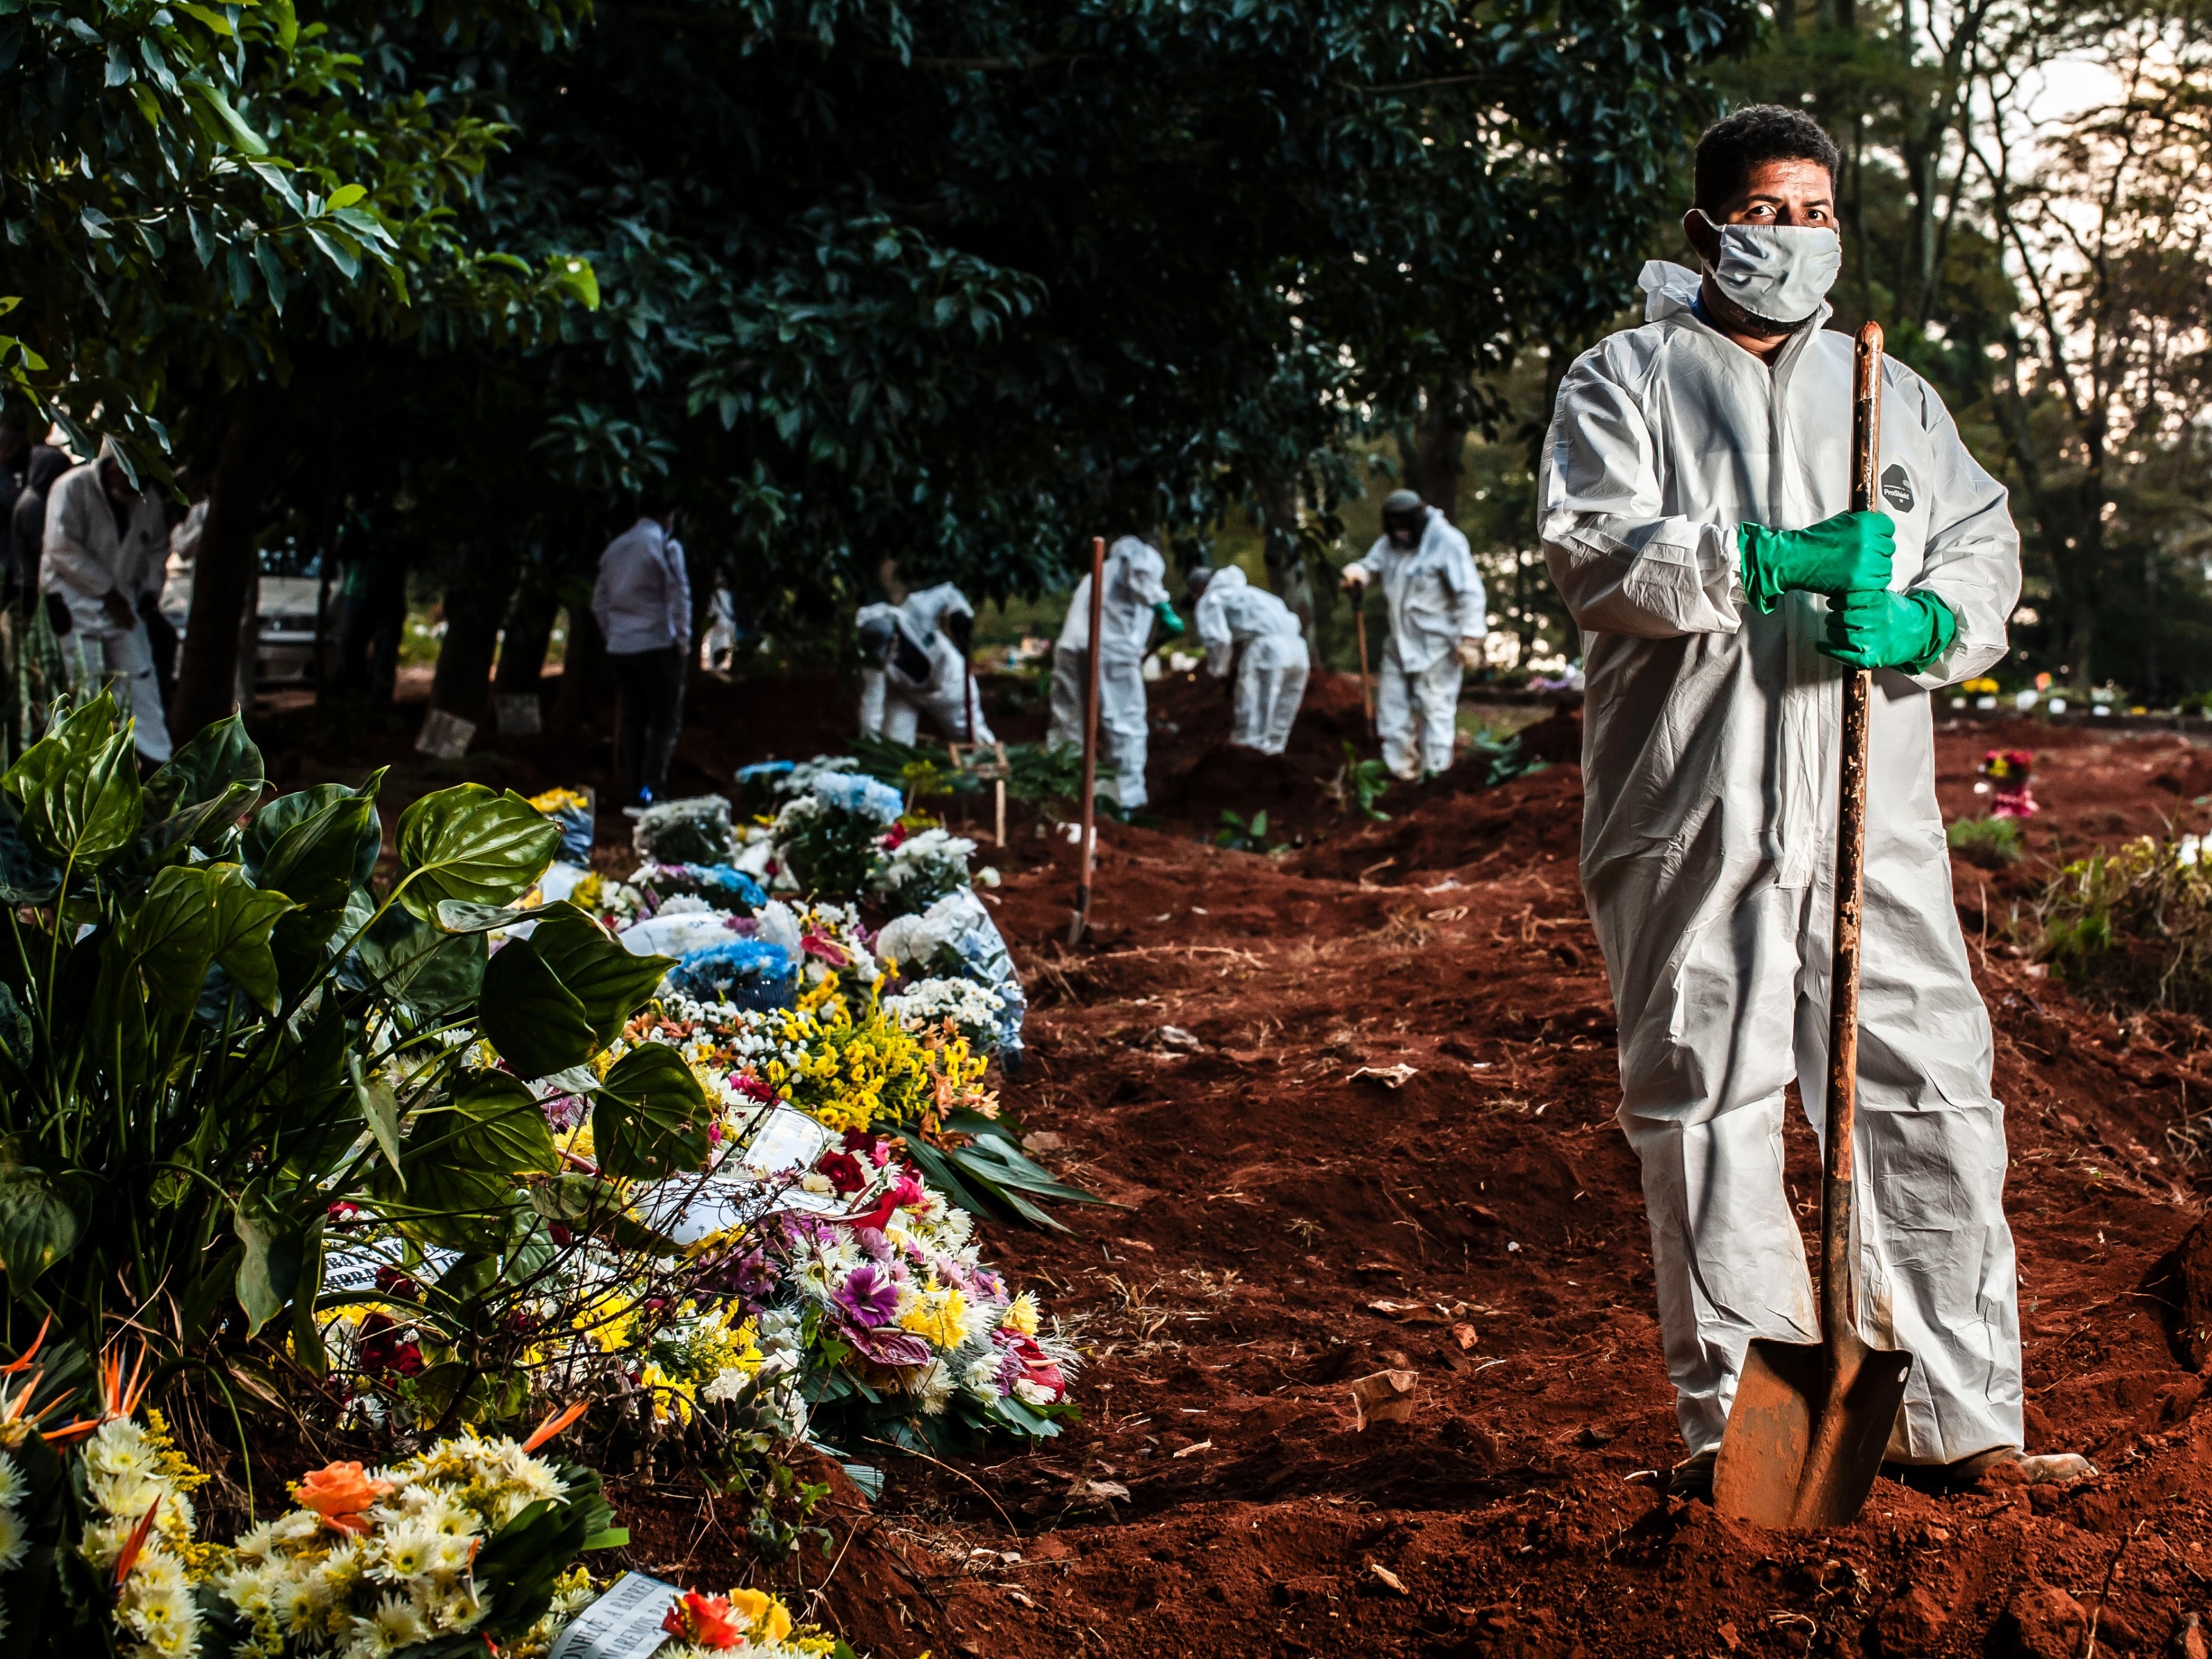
(751, 973)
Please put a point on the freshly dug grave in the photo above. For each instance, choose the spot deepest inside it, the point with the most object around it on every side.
(1286, 1229)
(1282, 1228)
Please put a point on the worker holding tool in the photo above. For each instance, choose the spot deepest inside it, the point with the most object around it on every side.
(1249, 631)
(915, 661)
(1692, 499)
(1439, 618)
(1134, 596)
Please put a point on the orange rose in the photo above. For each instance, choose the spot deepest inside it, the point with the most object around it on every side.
(339, 1492)
(705, 1622)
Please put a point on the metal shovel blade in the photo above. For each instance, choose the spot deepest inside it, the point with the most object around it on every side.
(1806, 1435)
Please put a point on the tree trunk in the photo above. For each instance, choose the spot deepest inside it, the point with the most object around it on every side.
(1434, 467)
(475, 604)
(1286, 550)
(577, 708)
(529, 635)
(226, 570)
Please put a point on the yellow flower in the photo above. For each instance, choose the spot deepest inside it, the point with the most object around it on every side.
(1021, 1314)
(671, 1398)
(938, 1318)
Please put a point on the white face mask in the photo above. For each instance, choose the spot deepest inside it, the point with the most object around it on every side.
(1778, 273)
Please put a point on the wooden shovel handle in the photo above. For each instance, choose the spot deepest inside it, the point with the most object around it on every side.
(1839, 1303)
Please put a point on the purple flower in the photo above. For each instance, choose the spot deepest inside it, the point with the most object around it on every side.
(873, 1245)
(867, 1297)
(562, 1112)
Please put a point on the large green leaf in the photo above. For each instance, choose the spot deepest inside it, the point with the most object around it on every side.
(115, 1031)
(456, 1181)
(429, 970)
(537, 1024)
(78, 788)
(471, 843)
(214, 761)
(269, 1274)
(609, 980)
(173, 934)
(649, 1118)
(37, 1226)
(317, 846)
(245, 918)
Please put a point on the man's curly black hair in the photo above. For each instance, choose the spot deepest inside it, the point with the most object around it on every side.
(1736, 143)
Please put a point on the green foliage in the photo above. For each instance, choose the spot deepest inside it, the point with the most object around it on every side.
(1992, 843)
(2132, 929)
(203, 1064)
(1240, 836)
(1499, 757)
(1361, 784)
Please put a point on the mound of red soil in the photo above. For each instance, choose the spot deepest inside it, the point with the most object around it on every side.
(1391, 1149)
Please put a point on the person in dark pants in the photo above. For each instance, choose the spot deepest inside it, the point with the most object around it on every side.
(371, 615)
(642, 603)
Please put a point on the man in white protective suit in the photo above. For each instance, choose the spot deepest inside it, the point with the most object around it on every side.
(916, 658)
(1692, 497)
(1135, 595)
(1249, 629)
(1439, 618)
(107, 549)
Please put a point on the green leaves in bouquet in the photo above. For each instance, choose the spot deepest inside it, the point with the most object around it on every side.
(516, 1569)
(984, 1164)
(460, 1163)
(76, 788)
(472, 844)
(556, 998)
(194, 916)
(650, 1119)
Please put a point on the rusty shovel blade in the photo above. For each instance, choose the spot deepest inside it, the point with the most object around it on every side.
(1806, 1434)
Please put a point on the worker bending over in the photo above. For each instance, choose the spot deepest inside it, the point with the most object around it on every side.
(1249, 628)
(1439, 618)
(915, 658)
(1692, 497)
(1135, 595)
(105, 557)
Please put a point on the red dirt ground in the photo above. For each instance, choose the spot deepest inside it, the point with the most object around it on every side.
(1281, 1228)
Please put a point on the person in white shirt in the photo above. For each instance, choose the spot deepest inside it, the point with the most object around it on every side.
(1135, 595)
(105, 557)
(642, 603)
(1252, 631)
(1439, 619)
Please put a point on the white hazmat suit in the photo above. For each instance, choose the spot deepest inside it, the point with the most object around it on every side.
(90, 556)
(1250, 627)
(1135, 584)
(1435, 599)
(924, 674)
(1708, 854)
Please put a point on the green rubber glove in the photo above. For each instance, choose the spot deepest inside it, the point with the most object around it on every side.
(1850, 551)
(1877, 629)
(1170, 623)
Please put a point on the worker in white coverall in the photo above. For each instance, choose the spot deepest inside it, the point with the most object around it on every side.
(1439, 619)
(106, 556)
(1249, 629)
(1135, 596)
(1692, 497)
(915, 662)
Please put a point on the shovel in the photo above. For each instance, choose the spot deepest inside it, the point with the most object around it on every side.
(1805, 1438)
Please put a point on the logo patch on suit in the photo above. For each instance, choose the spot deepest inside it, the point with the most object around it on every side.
(1897, 487)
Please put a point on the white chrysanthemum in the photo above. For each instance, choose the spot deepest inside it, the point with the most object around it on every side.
(397, 1623)
(981, 1376)
(12, 1484)
(156, 1569)
(725, 1385)
(257, 1542)
(302, 1603)
(14, 1537)
(130, 1492)
(1032, 1394)
(933, 1388)
(446, 1513)
(455, 1553)
(152, 1613)
(407, 1550)
(452, 1607)
(120, 1446)
(253, 1590)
